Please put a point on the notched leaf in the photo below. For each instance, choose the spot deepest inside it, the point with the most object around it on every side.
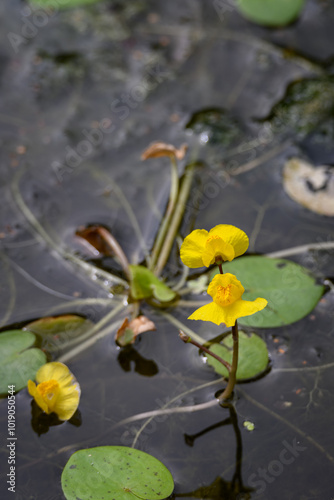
(145, 285)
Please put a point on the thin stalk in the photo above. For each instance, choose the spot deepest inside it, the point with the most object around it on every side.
(176, 219)
(174, 321)
(116, 248)
(93, 335)
(174, 191)
(187, 340)
(233, 373)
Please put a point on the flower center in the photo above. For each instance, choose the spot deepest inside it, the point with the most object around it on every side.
(49, 391)
(217, 251)
(224, 295)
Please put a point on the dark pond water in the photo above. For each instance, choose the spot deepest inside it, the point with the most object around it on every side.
(121, 75)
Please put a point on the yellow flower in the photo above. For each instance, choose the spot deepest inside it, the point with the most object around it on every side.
(223, 242)
(227, 305)
(57, 390)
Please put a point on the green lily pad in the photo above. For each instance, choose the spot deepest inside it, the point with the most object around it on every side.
(144, 284)
(57, 331)
(19, 362)
(306, 104)
(62, 4)
(253, 356)
(271, 12)
(290, 289)
(115, 472)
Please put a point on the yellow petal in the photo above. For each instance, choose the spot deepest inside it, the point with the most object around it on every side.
(68, 402)
(232, 235)
(216, 247)
(228, 314)
(65, 400)
(210, 312)
(32, 389)
(54, 371)
(241, 308)
(193, 247)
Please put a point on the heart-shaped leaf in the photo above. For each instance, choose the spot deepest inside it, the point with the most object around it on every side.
(18, 363)
(115, 472)
(290, 289)
(144, 284)
(271, 12)
(253, 356)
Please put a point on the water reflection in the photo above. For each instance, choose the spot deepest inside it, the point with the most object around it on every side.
(41, 422)
(128, 355)
(220, 489)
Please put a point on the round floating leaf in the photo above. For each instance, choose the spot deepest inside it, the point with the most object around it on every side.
(271, 12)
(144, 284)
(18, 363)
(253, 356)
(115, 472)
(57, 331)
(290, 289)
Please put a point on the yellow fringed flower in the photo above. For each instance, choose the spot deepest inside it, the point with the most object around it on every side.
(227, 306)
(57, 390)
(223, 242)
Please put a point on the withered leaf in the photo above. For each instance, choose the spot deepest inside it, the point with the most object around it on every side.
(128, 332)
(157, 149)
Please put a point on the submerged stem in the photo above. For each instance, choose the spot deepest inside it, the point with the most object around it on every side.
(175, 219)
(233, 373)
(174, 191)
(187, 339)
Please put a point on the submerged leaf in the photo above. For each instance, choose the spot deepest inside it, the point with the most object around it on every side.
(57, 331)
(290, 289)
(214, 125)
(306, 104)
(144, 284)
(115, 472)
(312, 187)
(62, 4)
(253, 356)
(271, 12)
(19, 361)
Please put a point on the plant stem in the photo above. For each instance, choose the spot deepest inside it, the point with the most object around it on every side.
(189, 340)
(174, 191)
(233, 373)
(116, 248)
(176, 219)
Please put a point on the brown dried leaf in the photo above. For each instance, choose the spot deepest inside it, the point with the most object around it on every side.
(93, 237)
(101, 239)
(128, 332)
(157, 149)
